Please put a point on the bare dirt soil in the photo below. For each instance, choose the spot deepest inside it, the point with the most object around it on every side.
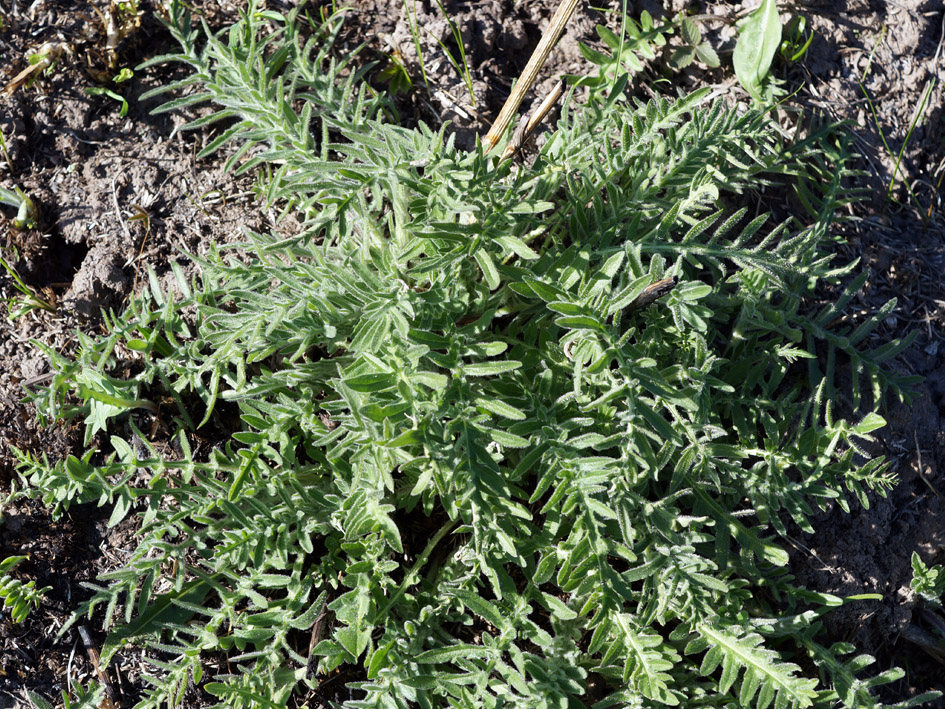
(91, 172)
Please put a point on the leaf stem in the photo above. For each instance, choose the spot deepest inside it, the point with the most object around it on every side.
(418, 564)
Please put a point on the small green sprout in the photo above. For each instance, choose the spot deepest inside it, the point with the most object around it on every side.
(16, 595)
(759, 37)
(6, 153)
(124, 75)
(928, 581)
(796, 43)
(396, 75)
(28, 301)
(25, 208)
(694, 47)
(42, 61)
(45, 59)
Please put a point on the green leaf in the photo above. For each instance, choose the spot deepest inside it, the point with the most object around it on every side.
(431, 380)
(11, 563)
(763, 668)
(682, 57)
(378, 657)
(374, 381)
(579, 322)
(163, 611)
(407, 438)
(546, 292)
(567, 308)
(870, 422)
(391, 533)
(545, 568)
(489, 271)
(123, 501)
(452, 654)
(378, 413)
(487, 369)
(353, 640)
(690, 32)
(691, 291)
(501, 408)
(517, 247)
(558, 608)
(708, 56)
(37, 701)
(531, 206)
(586, 440)
(509, 440)
(482, 608)
(625, 296)
(759, 37)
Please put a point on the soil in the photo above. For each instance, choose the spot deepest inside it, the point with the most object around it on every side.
(121, 195)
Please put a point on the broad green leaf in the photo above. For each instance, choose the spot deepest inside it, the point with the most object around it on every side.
(692, 291)
(374, 381)
(481, 607)
(690, 32)
(431, 380)
(501, 408)
(509, 440)
(759, 37)
(487, 369)
(452, 653)
(353, 640)
(378, 413)
(870, 422)
(708, 56)
(489, 271)
(558, 608)
(518, 247)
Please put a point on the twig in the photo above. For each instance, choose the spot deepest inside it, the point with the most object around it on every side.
(941, 39)
(530, 72)
(653, 292)
(915, 437)
(318, 632)
(923, 639)
(121, 219)
(530, 122)
(90, 650)
(28, 384)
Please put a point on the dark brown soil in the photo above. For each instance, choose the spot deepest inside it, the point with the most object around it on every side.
(91, 171)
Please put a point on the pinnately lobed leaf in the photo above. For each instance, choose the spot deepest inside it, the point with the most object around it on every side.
(478, 436)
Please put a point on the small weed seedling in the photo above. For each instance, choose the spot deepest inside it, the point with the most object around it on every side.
(41, 62)
(694, 48)
(5, 152)
(18, 597)
(796, 39)
(395, 74)
(28, 300)
(460, 65)
(759, 38)
(26, 214)
(917, 116)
